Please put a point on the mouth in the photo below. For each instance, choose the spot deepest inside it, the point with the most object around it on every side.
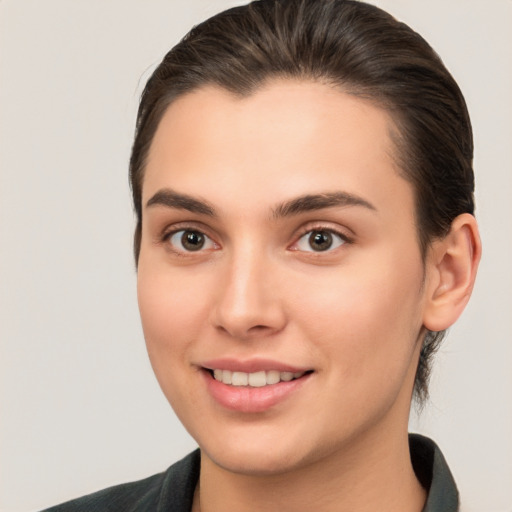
(257, 379)
(257, 390)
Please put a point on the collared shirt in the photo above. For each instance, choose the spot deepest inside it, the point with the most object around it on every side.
(173, 490)
(434, 474)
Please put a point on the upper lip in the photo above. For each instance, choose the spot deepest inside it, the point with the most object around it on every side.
(251, 365)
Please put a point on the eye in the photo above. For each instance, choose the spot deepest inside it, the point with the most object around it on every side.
(190, 240)
(320, 240)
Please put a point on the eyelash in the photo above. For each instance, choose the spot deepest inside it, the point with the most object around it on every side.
(307, 230)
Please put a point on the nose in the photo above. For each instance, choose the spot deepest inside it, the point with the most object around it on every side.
(249, 303)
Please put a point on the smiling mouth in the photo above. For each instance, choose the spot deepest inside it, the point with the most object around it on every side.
(255, 379)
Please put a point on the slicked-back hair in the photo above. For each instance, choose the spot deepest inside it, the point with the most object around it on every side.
(353, 46)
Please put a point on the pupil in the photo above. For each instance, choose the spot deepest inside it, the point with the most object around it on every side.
(192, 240)
(320, 240)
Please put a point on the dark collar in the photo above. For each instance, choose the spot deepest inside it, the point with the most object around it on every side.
(433, 473)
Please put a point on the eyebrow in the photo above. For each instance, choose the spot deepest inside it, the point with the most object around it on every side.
(172, 199)
(306, 203)
(312, 202)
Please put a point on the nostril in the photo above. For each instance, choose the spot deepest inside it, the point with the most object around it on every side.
(260, 330)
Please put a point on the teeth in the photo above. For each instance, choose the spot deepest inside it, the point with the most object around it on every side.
(227, 376)
(240, 379)
(256, 379)
(273, 377)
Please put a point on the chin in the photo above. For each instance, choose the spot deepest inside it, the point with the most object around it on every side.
(260, 452)
(254, 462)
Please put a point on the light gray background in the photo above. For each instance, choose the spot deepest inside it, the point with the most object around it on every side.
(80, 408)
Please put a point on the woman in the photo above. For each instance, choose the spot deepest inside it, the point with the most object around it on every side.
(302, 177)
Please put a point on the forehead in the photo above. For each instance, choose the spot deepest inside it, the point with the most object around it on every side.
(284, 139)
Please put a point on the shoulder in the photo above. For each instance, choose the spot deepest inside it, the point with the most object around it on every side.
(174, 487)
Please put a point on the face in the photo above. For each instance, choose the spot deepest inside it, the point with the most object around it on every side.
(280, 277)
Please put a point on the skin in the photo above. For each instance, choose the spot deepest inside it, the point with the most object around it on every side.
(354, 314)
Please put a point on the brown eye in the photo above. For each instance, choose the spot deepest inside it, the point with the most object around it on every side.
(320, 240)
(190, 240)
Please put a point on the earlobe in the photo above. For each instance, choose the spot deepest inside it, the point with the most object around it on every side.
(451, 266)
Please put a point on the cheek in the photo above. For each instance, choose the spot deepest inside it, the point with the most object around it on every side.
(172, 309)
(366, 320)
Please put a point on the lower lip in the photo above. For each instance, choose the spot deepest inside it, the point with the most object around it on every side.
(249, 399)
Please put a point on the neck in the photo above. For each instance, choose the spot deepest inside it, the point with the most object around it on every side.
(370, 475)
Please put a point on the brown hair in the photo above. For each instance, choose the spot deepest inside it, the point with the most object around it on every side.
(349, 44)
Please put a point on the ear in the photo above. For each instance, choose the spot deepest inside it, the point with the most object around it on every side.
(452, 263)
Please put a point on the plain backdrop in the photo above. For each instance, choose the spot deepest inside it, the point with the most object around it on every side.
(80, 407)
